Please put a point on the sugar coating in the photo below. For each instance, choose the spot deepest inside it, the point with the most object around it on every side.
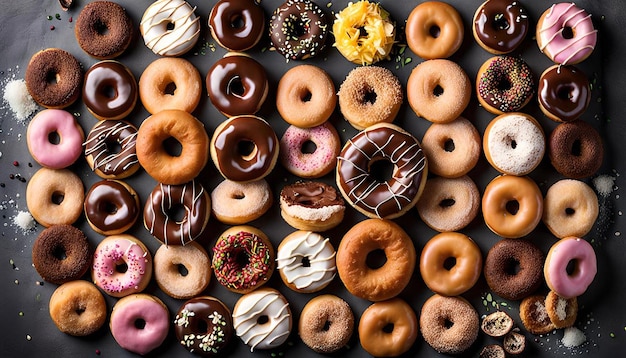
(604, 184)
(516, 144)
(24, 220)
(17, 96)
(573, 337)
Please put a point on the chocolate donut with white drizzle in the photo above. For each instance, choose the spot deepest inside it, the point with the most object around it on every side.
(104, 161)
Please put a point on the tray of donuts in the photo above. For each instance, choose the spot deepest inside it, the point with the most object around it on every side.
(234, 178)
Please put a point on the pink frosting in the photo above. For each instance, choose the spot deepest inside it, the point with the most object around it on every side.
(303, 164)
(69, 148)
(555, 270)
(113, 252)
(562, 50)
(145, 310)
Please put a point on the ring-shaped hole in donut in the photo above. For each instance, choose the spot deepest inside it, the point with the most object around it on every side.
(52, 77)
(504, 84)
(80, 309)
(570, 211)
(170, 26)
(172, 147)
(437, 91)
(512, 206)
(434, 31)
(369, 96)
(565, 93)
(263, 319)
(140, 323)
(237, 21)
(381, 170)
(176, 213)
(376, 259)
(59, 252)
(362, 34)
(238, 195)
(305, 261)
(182, 270)
(235, 87)
(170, 89)
(500, 22)
(54, 137)
(512, 142)
(573, 267)
(448, 145)
(326, 326)
(247, 149)
(297, 29)
(576, 149)
(306, 96)
(308, 147)
(447, 323)
(100, 27)
(121, 267)
(447, 203)
(201, 325)
(57, 197)
(113, 146)
(240, 258)
(108, 91)
(449, 263)
(388, 328)
(567, 33)
(512, 266)
(107, 207)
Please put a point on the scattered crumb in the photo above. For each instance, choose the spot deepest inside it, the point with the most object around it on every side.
(604, 184)
(24, 220)
(573, 337)
(18, 98)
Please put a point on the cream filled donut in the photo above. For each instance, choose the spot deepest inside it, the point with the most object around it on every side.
(139, 323)
(54, 138)
(570, 208)
(311, 205)
(298, 160)
(565, 252)
(170, 27)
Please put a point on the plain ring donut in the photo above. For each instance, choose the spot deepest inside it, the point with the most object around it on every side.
(375, 322)
(570, 208)
(434, 29)
(182, 272)
(170, 83)
(55, 196)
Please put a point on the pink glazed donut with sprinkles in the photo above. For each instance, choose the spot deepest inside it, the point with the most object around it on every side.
(565, 251)
(565, 34)
(321, 161)
(121, 265)
(42, 134)
(153, 318)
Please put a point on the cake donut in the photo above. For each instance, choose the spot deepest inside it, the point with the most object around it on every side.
(182, 272)
(370, 95)
(103, 29)
(77, 308)
(562, 312)
(237, 25)
(63, 68)
(236, 203)
(139, 323)
(388, 328)
(298, 29)
(386, 198)
(570, 208)
(504, 84)
(306, 261)
(262, 319)
(564, 93)
(110, 90)
(500, 26)
(100, 152)
(54, 138)
(570, 283)
(55, 196)
(449, 324)
(203, 326)
(326, 324)
(295, 154)
(243, 259)
(575, 149)
(61, 254)
(170, 230)
(565, 34)
(534, 315)
(497, 324)
(170, 83)
(111, 207)
(311, 206)
(438, 90)
(375, 283)
(170, 27)
(370, 46)
(434, 29)
(244, 148)
(514, 143)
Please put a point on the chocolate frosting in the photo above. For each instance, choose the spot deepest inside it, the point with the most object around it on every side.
(110, 89)
(564, 91)
(203, 325)
(106, 195)
(311, 194)
(237, 38)
(97, 144)
(298, 29)
(501, 25)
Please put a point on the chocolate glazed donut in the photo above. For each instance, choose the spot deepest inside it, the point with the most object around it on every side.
(500, 26)
(207, 320)
(237, 25)
(298, 29)
(564, 93)
(110, 90)
(110, 207)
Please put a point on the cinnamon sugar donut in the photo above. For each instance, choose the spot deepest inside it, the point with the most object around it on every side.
(103, 29)
(449, 204)
(326, 324)
(61, 253)
(78, 308)
(449, 324)
(54, 78)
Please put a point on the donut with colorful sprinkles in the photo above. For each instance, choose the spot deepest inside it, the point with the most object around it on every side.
(504, 84)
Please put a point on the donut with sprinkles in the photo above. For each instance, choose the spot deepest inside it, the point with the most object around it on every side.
(504, 84)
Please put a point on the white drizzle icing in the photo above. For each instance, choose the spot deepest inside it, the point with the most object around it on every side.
(157, 34)
(127, 156)
(317, 250)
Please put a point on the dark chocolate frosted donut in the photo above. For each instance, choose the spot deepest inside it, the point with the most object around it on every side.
(204, 326)
(237, 25)
(54, 78)
(110, 90)
(103, 29)
(61, 253)
(298, 29)
(111, 207)
(576, 149)
(500, 26)
(564, 93)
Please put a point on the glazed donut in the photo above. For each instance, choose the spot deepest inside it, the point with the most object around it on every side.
(265, 304)
(139, 323)
(170, 83)
(380, 32)
(239, 203)
(61, 253)
(389, 198)
(237, 25)
(565, 34)
(244, 148)
(122, 265)
(237, 84)
(534, 315)
(103, 29)
(575, 149)
(514, 143)
(110, 90)
(243, 259)
(182, 272)
(449, 204)
(500, 26)
(203, 325)
(375, 283)
(564, 252)
(452, 148)
(78, 308)
(570, 208)
(512, 206)
(562, 312)
(438, 90)
(106, 162)
(305, 96)
(514, 268)
(298, 29)
(376, 336)
(311, 206)
(326, 324)
(298, 160)
(370, 95)
(55, 196)
(43, 131)
(504, 84)
(154, 156)
(434, 29)
(54, 78)
(157, 212)
(306, 261)
(449, 324)
(564, 93)
(450, 279)
(111, 207)
(170, 27)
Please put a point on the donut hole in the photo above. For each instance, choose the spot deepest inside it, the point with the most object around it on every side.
(299, 28)
(52, 77)
(500, 22)
(388, 328)
(362, 34)
(572, 267)
(108, 92)
(59, 253)
(80, 310)
(182, 270)
(100, 27)
(107, 207)
(237, 21)
(437, 91)
(305, 262)
(201, 326)
(308, 147)
(172, 147)
(263, 319)
(381, 170)
(448, 145)
(376, 259)
(54, 138)
(369, 96)
(326, 326)
(306, 96)
(565, 93)
(503, 84)
(121, 267)
(113, 146)
(570, 211)
(57, 198)
(576, 149)
(246, 149)
(512, 267)
(447, 323)
(170, 89)
(447, 203)
(434, 31)
(170, 26)
(176, 212)
(567, 33)
(238, 195)
(241, 259)
(140, 323)
(235, 87)
(511, 142)
(449, 263)
(512, 207)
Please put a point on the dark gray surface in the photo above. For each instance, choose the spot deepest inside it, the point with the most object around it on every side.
(27, 328)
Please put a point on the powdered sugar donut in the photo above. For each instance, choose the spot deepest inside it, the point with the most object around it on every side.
(53, 154)
(298, 160)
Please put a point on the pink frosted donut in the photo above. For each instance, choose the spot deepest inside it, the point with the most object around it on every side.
(139, 323)
(565, 251)
(310, 164)
(565, 34)
(55, 139)
(121, 265)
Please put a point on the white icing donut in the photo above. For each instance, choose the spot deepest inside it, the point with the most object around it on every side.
(170, 27)
(262, 319)
(319, 253)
